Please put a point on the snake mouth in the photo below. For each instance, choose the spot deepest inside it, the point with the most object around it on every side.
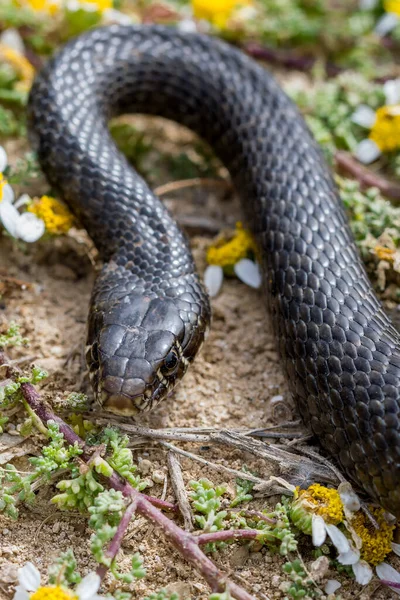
(121, 403)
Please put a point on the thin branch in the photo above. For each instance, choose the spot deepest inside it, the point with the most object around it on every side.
(178, 486)
(224, 536)
(116, 542)
(173, 186)
(366, 177)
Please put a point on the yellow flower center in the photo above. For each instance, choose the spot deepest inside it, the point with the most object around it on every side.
(386, 130)
(20, 64)
(47, 6)
(55, 215)
(323, 501)
(392, 6)
(226, 252)
(2, 184)
(376, 543)
(218, 12)
(99, 4)
(52, 593)
(384, 253)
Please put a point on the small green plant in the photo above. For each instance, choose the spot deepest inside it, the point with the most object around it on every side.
(300, 584)
(12, 337)
(242, 491)
(121, 459)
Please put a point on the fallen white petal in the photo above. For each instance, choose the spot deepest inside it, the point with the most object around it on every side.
(248, 272)
(386, 23)
(364, 116)
(9, 217)
(213, 278)
(338, 539)
(29, 227)
(348, 497)
(11, 38)
(7, 194)
(396, 548)
(367, 152)
(3, 159)
(362, 572)
(111, 15)
(187, 26)
(385, 571)
(20, 593)
(367, 4)
(318, 530)
(351, 557)
(29, 577)
(391, 90)
(331, 586)
(88, 586)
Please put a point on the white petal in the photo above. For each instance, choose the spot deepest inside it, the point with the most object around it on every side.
(351, 557)
(11, 38)
(24, 199)
(364, 116)
(9, 217)
(7, 193)
(187, 26)
(20, 593)
(367, 4)
(349, 498)
(3, 159)
(362, 572)
(88, 587)
(110, 15)
(386, 572)
(391, 90)
(29, 577)
(331, 586)
(396, 548)
(318, 530)
(367, 151)
(248, 272)
(338, 539)
(386, 23)
(29, 227)
(213, 278)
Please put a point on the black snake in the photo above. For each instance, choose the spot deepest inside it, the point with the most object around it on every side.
(149, 312)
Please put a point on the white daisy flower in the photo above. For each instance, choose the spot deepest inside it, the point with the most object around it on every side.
(12, 39)
(384, 125)
(245, 269)
(29, 583)
(22, 226)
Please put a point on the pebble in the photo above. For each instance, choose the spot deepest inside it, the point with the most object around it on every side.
(158, 476)
(8, 573)
(56, 527)
(276, 580)
(144, 466)
(319, 568)
(277, 398)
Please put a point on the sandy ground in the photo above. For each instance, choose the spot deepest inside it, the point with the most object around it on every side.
(236, 382)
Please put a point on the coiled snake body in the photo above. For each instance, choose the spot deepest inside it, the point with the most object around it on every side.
(149, 313)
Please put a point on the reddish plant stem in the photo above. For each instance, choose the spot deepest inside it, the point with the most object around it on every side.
(223, 536)
(392, 584)
(255, 514)
(116, 542)
(286, 59)
(185, 543)
(345, 162)
(33, 399)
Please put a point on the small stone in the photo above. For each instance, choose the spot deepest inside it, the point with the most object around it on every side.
(8, 573)
(319, 568)
(158, 476)
(6, 531)
(276, 580)
(56, 527)
(257, 557)
(145, 466)
(239, 556)
(277, 398)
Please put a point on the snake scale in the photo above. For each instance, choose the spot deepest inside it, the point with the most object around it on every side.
(149, 312)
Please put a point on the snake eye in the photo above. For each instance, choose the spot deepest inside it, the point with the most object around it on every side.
(170, 363)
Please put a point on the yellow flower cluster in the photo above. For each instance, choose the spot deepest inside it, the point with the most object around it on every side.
(384, 253)
(323, 501)
(392, 6)
(217, 12)
(52, 593)
(226, 252)
(386, 130)
(376, 543)
(20, 64)
(55, 215)
(46, 6)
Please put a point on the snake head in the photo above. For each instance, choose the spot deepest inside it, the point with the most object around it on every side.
(139, 348)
